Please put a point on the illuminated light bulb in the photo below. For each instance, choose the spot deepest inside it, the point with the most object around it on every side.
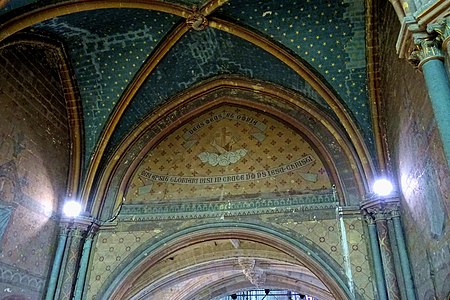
(382, 187)
(72, 208)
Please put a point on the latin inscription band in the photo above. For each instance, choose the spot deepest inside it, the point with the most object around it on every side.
(224, 115)
(304, 161)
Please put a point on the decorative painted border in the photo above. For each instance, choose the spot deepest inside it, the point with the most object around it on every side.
(20, 278)
(208, 209)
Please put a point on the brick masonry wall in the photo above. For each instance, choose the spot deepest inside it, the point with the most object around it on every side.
(34, 160)
(417, 159)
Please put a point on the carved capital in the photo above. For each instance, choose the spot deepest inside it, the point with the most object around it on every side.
(369, 219)
(442, 28)
(64, 229)
(394, 211)
(92, 231)
(426, 49)
(376, 208)
(196, 20)
(82, 225)
(377, 213)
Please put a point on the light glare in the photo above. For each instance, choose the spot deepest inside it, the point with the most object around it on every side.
(72, 208)
(382, 187)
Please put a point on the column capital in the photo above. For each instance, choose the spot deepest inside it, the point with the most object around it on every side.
(377, 208)
(63, 229)
(369, 218)
(86, 225)
(442, 28)
(426, 49)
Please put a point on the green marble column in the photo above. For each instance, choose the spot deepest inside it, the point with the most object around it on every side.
(71, 254)
(388, 250)
(404, 257)
(386, 254)
(376, 258)
(79, 286)
(429, 57)
(57, 263)
(71, 267)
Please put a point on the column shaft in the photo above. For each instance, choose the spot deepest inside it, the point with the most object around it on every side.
(70, 271)
(439, 91)
(62, 269)
(404, 261)
(396, 258)
(390, 257)
(56, 265)
(83, 268)
(377, 264)
(388, 260)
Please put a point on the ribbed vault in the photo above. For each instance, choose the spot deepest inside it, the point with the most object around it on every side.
(214, 142)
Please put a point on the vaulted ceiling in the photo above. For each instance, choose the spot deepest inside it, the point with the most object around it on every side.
(140, 74)
(131, 58)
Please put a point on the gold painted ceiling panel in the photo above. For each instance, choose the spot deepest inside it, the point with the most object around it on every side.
(228, 153)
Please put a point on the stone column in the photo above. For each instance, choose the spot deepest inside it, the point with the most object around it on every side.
(70, 271)
(395, 252)
(77, 229)
(385, 213)
(57, 263)
(429, 58)
(79, 286)
(377, 210)
(386, 252)
(403, 254)
(376, 258)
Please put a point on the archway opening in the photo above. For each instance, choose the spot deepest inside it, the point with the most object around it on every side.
(216, 260)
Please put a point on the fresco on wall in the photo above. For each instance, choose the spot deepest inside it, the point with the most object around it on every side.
(34, 157)
(10, 190)
(14, 256)
(228, 152)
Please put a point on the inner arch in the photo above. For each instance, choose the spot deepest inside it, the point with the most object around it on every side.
(185, 257)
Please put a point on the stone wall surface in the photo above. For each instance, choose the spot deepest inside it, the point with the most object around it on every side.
(34, 160)
(417, 159)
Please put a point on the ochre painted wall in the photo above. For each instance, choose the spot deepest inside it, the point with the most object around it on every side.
(34, 160)
(417, 159)
(210, 161)
(229, 153)
(115, 247)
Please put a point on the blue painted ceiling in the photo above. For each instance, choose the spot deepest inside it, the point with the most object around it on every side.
(328, 34)
(203, 55)
(107, 47)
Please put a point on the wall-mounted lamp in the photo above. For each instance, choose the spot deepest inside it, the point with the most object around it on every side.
(72, 209)
(382, 187)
